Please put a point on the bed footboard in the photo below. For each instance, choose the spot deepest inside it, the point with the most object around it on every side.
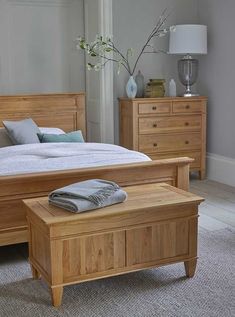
(13, 226)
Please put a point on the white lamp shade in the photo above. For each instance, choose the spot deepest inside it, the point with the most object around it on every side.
(188, 39)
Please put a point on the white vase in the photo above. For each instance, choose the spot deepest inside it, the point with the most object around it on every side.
(172, 88)
(131, 88)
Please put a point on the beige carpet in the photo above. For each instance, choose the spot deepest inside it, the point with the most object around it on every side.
(159, 292)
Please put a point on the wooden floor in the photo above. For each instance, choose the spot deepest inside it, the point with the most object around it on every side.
(218, 210)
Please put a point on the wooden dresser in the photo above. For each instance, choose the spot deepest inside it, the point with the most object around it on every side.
(165, 128)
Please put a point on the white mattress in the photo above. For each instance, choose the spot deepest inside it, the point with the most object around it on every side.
(32, 158)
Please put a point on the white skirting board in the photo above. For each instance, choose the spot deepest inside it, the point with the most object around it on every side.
(221, 169)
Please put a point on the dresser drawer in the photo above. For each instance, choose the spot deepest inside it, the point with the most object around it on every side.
(149, 125)
(195, 155)
(161, 143)
(187, 106)
(155, 107)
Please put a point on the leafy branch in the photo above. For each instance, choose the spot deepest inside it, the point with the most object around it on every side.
(104, 50)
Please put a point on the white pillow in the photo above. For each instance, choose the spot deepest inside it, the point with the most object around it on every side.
(51, 130)
(4, 138)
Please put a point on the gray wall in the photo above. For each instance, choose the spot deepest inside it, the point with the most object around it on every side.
(132, 22)
(217, 74)
(37, 51)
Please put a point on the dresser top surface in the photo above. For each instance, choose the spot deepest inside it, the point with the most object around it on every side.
(196, 98)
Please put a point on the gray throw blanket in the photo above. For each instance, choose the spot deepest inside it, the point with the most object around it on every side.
(87, 195)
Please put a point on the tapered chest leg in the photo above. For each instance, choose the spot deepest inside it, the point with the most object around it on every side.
(56, 295)
(190, 267)
(35, 273)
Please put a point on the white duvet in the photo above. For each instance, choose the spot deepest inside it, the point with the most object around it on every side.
(31, 158)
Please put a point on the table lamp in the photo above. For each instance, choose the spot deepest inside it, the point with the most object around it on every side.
(187, 40)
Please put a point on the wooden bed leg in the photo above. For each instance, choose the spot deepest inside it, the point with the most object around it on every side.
(190, 267)
(183, 177)
(56, 295)
(202, 174)
(35, 273)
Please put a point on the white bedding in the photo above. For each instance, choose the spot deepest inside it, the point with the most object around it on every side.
(31, 158)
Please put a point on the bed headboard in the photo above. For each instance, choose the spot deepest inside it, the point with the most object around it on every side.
(65, 111)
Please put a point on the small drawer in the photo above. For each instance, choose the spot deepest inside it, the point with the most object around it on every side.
(161, 143)
(194, 155)
(187, 106)
(151, 125)
(154, 107)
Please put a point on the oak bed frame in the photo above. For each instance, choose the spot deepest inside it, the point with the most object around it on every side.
(67, 111)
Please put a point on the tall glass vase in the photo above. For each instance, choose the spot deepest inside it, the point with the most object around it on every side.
(131, 88)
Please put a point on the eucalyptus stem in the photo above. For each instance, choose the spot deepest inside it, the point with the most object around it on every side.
(152, 34)
(104, 45)
(123, 57)
(113, 60)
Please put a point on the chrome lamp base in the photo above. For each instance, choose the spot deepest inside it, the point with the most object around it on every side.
(190, 95)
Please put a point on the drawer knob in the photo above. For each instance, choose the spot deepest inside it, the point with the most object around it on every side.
(188, 106)
(154, 125)
(186, 123)
(155, 144)
(186, 142)
(154, 108)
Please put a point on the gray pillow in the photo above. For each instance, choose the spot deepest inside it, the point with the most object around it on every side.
(22, 132)
(4, 138)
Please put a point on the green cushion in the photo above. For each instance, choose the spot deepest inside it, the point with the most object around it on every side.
(75, 136)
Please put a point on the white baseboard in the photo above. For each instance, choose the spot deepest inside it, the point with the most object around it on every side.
(221, 169)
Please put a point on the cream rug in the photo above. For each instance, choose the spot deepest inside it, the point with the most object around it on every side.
(159, 292)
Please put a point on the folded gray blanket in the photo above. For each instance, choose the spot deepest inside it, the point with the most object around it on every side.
(87, 195)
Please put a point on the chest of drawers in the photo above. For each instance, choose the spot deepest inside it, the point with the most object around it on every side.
(165, 128)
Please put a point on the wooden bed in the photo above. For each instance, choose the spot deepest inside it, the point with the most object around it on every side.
(67, 111)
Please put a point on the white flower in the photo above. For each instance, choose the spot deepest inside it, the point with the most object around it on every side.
(89, 67)
(107, 39)
(130, 52)
(97, 67)
(172, 28)
(97, 37)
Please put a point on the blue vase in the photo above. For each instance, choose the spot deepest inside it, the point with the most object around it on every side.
(131, 88)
